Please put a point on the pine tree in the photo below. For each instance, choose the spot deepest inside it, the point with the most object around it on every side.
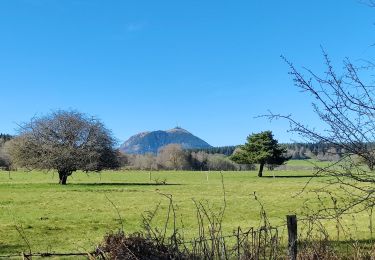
(260, 148)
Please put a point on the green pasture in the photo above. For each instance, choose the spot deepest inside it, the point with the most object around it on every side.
(75, 217)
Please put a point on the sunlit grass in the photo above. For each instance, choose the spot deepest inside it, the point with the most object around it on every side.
(76, 216)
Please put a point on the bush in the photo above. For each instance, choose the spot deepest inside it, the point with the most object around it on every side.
(136, 246)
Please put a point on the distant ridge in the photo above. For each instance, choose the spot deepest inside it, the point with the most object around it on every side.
(151, 142)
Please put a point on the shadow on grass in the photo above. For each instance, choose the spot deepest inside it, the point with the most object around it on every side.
(123, 184)
(11, 249)
(292, 176)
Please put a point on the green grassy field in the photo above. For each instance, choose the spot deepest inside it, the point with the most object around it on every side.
(75, 217)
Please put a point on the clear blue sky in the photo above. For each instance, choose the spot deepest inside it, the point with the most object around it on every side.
(208, 66)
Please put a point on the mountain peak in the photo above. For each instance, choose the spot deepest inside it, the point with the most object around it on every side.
(177, 129)
(151, 142)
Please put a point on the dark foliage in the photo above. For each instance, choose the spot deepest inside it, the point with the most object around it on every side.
(261, 148)
(5, 161)
(226, 150)
(5, 137)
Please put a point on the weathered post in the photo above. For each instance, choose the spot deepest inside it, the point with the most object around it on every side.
(292, 236)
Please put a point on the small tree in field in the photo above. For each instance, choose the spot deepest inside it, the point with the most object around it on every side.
(260, 148)
(65, 141)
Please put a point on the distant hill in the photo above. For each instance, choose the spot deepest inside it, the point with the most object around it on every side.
(151, 142)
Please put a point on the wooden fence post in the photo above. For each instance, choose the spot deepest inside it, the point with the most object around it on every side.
(292, 236)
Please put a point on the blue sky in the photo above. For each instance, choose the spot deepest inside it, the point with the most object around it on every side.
(207, 66)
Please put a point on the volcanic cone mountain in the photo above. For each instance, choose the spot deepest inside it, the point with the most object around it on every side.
(151, 142)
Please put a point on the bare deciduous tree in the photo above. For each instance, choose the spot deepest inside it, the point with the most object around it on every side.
(143, 161)
(199, 160)
(66, 141)
(172, 156)
(345, 104)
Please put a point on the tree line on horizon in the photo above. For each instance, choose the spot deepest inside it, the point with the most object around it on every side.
(174, 157)
(5, 161)
(296, 151)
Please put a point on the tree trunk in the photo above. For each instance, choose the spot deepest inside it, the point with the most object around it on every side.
(63, 176)
(260, 173)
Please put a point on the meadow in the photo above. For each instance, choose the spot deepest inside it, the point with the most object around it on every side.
(75, 217)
